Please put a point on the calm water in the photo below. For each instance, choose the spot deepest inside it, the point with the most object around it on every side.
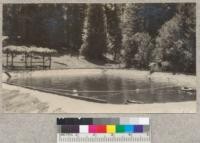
(144, 90)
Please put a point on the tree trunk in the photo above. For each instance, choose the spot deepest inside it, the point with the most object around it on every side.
(115, 57)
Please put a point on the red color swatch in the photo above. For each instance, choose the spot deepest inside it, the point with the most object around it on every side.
(101, 128)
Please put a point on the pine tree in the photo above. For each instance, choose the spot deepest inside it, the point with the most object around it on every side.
(114, 30)
(74, 27)
(131, 25)
(95, 45)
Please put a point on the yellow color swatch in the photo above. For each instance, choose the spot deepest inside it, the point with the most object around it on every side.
(110, 128)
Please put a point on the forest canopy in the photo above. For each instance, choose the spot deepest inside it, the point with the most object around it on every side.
(131, 34)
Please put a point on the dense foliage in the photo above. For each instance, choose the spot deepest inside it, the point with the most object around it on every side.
(134, 35)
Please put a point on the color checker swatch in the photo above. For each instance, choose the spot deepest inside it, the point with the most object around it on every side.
(103, 125)
(103, 130)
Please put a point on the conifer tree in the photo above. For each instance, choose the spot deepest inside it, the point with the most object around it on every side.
(131, 25)
(95, 45)
(114, 30)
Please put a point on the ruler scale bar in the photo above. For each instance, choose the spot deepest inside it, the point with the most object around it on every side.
(61, 138)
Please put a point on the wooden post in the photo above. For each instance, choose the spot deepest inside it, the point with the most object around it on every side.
(7, 59)
(11, 59)
(31, 61)
(49, 61)
(43, 61)
(25, 60)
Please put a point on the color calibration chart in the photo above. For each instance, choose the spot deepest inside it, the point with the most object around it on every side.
(103, 130)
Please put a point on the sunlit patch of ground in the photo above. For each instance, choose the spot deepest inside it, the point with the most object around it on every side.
(15, 101)
(67, 61)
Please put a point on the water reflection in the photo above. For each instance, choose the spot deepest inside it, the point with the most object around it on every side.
(103, 87)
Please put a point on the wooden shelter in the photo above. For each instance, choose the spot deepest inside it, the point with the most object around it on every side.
(28, 57)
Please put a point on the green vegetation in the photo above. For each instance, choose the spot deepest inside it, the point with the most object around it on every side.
(133, 35)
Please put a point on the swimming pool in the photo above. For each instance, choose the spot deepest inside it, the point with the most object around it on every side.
(112, 88)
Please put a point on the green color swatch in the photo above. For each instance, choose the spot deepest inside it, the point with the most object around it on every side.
(120, 128)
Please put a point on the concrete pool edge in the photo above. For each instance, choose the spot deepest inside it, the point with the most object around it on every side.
(69, 105)
(62, 94)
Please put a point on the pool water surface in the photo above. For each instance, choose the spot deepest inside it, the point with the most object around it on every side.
(113, 89)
